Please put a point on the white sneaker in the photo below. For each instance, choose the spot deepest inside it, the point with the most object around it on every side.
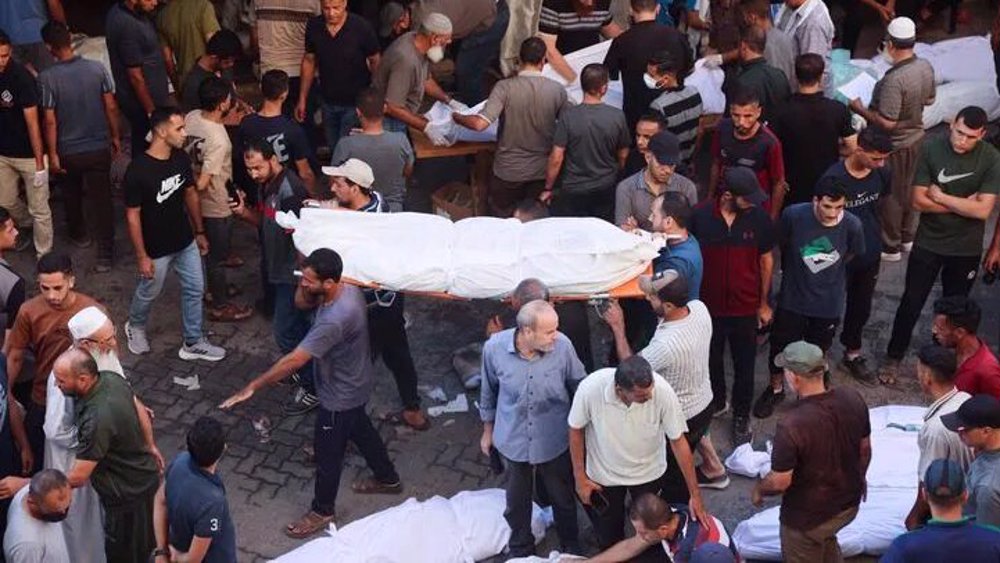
(138, 344)
(201, 350)
(907, 246)
(892, 256)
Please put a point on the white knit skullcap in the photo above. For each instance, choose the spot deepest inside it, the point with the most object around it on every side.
(87, 322)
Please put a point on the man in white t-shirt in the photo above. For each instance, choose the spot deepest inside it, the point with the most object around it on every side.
(617, 426)
(679, 351)
(34, 529)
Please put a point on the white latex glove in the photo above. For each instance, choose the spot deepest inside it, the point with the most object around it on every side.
(457, 106)
(713, 61)
(435, 134)
(41, 178)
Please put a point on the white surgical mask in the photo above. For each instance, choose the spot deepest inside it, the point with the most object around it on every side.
(650, 81)
(435, 53)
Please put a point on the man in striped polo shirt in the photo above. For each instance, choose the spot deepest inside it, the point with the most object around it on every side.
(351, 184)
(679, 105)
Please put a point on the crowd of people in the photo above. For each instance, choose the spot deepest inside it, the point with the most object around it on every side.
(789, 184)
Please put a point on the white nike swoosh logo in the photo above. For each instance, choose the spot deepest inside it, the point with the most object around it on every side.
(944, 178)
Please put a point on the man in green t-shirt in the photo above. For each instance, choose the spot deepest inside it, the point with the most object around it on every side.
(955, 187)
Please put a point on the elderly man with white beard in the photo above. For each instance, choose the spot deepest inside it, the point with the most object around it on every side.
(94, 332)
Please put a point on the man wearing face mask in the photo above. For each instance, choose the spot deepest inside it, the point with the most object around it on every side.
(737, 240)
(211, 154)
(821, 480)
(94, 332)
(403, 75)
(817, 241)
(529, 376)
(34, 533)
(528, 106)
(678, 105)
(897, 106)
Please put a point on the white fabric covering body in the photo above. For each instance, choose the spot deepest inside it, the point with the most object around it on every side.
(892, 487)
(480, 257)
(466, 528)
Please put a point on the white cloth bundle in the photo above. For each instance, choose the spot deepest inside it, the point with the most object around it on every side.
(892, 487)
(466, 528)
(480, 257)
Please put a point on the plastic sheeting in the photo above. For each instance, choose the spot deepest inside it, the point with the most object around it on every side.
(480, 257)
(466, 528)
(892, 487)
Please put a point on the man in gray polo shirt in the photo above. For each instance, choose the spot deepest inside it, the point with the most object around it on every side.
(897, 106)
(338, 345)
(936, 374)
(81, 131)
(634, 195)
(809, 24)
(527, 106)
(529, 376)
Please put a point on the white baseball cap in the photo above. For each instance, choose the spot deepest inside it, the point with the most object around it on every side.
(902, 28)
(354, 170)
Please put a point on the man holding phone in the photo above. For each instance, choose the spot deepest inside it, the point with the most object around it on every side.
(617, 426)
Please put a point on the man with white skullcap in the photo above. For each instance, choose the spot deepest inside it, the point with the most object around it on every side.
(403, 75)
(897, 107)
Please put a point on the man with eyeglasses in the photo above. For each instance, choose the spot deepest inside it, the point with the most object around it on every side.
(866, 181)
(955, 189)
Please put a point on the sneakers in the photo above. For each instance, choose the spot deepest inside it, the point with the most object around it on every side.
(302, 403)
(201, 350)
(892, 256)
(888, 373)
(907, 246)
(82, 242)
(741, 430)
(858, 369)
(719, 409)
(706, 482)
(764, 407)
(138, 344)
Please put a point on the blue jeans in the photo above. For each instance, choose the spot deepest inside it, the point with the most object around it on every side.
(475, 53)
(337, 122)
(187, 264)
(290, 326)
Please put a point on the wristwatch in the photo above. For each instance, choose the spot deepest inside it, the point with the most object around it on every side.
(161, 552)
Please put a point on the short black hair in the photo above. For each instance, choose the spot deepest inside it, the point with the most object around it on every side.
(676, 206)
(206, 440)
(940, 360)
(830, 187)
(212, 92)
(676, 293)
(634, 371)
(593, 77)
(274, 84)
(224, 44)
(759, 8)
(5, 39)
(259, 145)
(326, 263)
(57, 35)
(55, 262)
(532, 209)
(654, 117)
(665, 63)
(745, 97)
(643, 5)
(960, 311)
(809, 68)
(4, 216)
(754, 38)
(532, 51)
(974, 117)
(162, 115)
(875, 139)
(371, 103)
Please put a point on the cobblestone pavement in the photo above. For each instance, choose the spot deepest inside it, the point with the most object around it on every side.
(269, 484)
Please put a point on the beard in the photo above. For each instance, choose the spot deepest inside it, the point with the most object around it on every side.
(108, 361)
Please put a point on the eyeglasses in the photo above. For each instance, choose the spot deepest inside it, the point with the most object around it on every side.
(107, 341)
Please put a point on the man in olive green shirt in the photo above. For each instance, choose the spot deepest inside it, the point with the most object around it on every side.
(111, 454)
(185, 26)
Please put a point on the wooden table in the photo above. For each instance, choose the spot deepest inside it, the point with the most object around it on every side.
(482, 168)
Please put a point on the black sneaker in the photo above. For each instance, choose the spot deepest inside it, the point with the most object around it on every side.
(764, 407)
(302, 403)
(294, 379)
(858, 369)
(741, 430)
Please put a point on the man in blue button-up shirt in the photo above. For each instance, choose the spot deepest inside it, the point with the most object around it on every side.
(529, 376)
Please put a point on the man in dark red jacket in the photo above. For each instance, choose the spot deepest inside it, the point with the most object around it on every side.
(737, 238)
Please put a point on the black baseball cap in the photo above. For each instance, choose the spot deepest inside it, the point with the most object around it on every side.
(980, 411)
(665, 148)
(741, 181)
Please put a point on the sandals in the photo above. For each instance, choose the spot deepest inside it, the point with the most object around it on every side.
(372, 486)
(229, 313)
(888, 374)
(310, 523)
(415, 419)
